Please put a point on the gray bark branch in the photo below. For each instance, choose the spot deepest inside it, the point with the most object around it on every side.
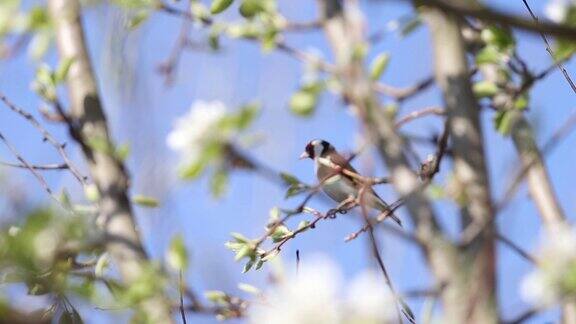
(106, 169)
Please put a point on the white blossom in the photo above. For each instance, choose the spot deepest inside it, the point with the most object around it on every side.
(370, 301)
(315, 295)
(557, 10)
(547, 284)
(196, 129)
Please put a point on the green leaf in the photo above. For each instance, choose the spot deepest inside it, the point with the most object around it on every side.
(249, 288)
(303, 103)
(219, 183)
(280, 233)
(122, 152)
(135, 4)
(250, 8)
(248, 265)
(522, 102)
(101, 264)
(502, 122)
(239, 237)
(216, 296)
(37, 18)
(294, 190)
(193, 170)
(269, 40)
(199, 11)
(247, 115)
(485, 89)
(289, 179)
(246, 250)
(435, 191)
(177, 256)
(100, 144)
(410, 25)
(62, 70)
(379, 65)
(138, 19)
(214, 36)
(65, 199)
(91, 192)
(259, 264)
(488, 55)
(303, 224)
(275, 214)
(145, 201)
(219, 5)
(498, 37)
(564, 49)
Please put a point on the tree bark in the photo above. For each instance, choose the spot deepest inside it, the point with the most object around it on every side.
(466, 275)
(107, 170)
(470, 170)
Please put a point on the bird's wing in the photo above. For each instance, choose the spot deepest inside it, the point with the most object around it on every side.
(345, 164)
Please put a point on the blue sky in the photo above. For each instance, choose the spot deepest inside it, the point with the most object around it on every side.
(142, 109)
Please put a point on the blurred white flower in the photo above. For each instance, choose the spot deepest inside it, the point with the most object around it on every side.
(309, 297)
(557, 10)
(555, 273)
(314, 296)
(369, 300)
(196, 129)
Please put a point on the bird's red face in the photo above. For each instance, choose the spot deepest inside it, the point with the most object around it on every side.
(315, 149)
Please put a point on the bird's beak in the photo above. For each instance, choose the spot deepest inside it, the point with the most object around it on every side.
(304, 155)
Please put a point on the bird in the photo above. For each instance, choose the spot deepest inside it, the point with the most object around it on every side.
(340, 186)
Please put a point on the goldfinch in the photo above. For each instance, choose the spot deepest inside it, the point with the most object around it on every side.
(339, 186)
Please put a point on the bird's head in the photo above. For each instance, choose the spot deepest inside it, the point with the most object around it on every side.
(317, 148)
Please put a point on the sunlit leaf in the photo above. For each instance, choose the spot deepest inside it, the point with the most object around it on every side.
(219, 5)
(485, 89)
(379, 65)
(177, 256)
(145, 201)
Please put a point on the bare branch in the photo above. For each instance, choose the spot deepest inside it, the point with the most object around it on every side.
(28, 166)
(47, 136)
(419, 114)
(36, 167)
(516, 248)
(467, 8)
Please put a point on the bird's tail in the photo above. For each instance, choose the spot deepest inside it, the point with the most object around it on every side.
(386, 212)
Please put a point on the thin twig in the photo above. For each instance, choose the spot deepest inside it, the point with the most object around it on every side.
(522, 318)
(399, 94)
(516, 248)
(168, 67)
(402, 94)
(419, 114)
(181, 293)
(549, 49)
(28, 166)
(376, 253)
(36, 167)
(47, 136)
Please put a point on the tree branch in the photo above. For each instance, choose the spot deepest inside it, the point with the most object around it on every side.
(467, 8)
(107, 170)
(453, 77)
